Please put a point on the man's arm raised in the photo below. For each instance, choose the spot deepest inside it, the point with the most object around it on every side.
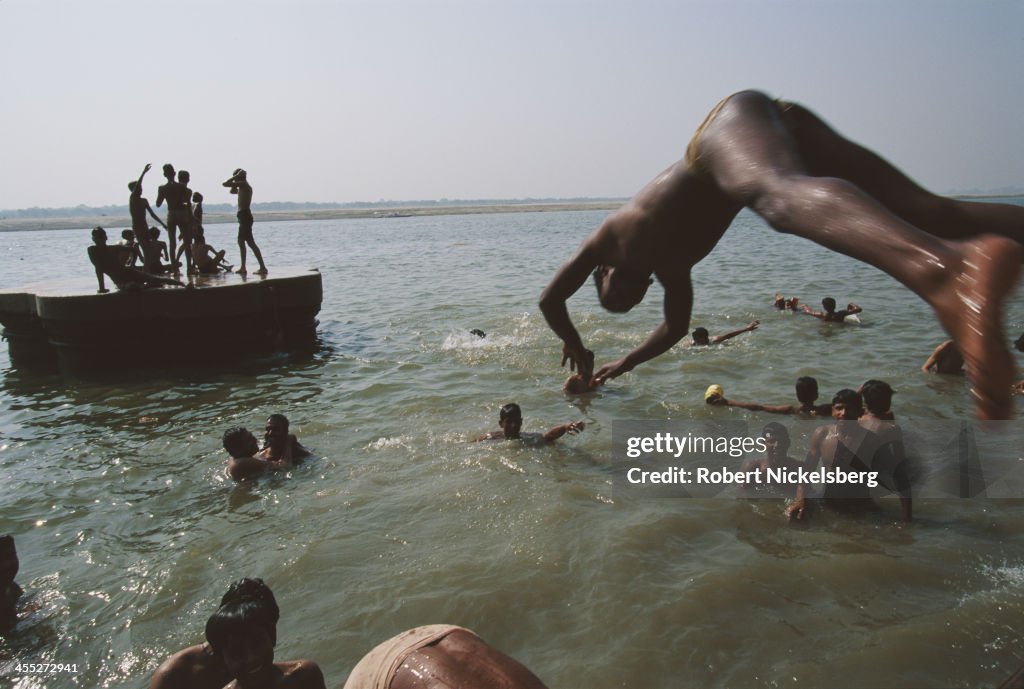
(678, 304)
(727, 336)
(567, 281)
(155, 216)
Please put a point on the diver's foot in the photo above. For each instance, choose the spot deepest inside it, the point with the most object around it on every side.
(262, 271)
(970, 308)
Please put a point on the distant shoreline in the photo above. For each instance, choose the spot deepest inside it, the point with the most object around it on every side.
(117, 222)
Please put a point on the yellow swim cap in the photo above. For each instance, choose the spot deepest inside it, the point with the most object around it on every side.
(714, 390)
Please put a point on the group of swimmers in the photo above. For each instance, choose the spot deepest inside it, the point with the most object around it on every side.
(862, 437)
(184, 213)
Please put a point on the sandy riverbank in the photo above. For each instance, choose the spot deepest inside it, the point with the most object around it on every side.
(116, 222)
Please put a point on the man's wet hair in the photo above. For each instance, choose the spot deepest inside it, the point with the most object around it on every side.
(779, 431)
(168, 170)
(247, 604)
(877, 396)
(98, 232)
(829, 303)
(1019, 343)
(279, 418)
(183, 175)
(131, 185)
(127, 234)
(510, 409)
(806, 389)
(848, 398)
(233, 439)
(700, 334)
(154, 232)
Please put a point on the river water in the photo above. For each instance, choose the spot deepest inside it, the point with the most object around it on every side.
(129, 531)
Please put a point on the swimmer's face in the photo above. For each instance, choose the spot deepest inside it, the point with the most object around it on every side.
(275, 433)
(620, 290)
(843, 412)
(249, 656)
(1019, 343)
(511, 425)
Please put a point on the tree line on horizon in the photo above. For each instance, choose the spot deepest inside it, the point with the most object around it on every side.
(270, 206)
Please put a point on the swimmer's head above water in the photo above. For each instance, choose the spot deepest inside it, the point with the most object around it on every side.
(511, 420)
(239, 442)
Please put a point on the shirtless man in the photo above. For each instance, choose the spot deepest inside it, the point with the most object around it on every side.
(239, 185)
(801, 177)
(806, 395)
(134, 252)
(178, 211)
(439, 656)
(850, 447)
(243, 635)
(161, 247)
(945, 359)
(110, 261)
(701, 338)
(205, 258)
(776, 456)
(278, 442)
(199, 667)
(138, 206)
(890, 458)
(830, 315)
(247, 460)
(511, 421)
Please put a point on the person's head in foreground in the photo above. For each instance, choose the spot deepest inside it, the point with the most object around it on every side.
(511, 420)
(619, 289)
(239, 442)
(243, 632)
(99, 236)
(701, 336)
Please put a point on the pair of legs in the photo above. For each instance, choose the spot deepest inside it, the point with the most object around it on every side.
(245, 221)
(803, 178)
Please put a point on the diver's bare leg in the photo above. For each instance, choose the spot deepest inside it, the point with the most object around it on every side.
(755, 160)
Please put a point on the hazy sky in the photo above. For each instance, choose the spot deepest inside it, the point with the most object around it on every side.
(416, 99)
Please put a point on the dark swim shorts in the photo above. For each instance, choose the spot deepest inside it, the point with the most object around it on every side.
(245, 226)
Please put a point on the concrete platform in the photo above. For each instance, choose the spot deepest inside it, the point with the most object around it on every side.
(67, 324)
